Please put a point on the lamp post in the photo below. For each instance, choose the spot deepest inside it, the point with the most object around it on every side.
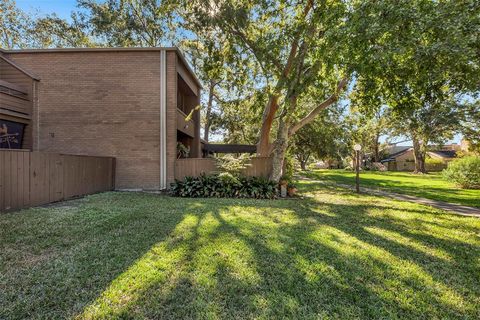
(357, 149)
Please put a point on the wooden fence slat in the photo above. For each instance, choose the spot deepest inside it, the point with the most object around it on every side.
(2, 181)
(15, 181)
(8, 181)
(26, 179)
(2, 163)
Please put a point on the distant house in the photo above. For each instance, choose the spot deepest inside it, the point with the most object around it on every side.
(401, 158)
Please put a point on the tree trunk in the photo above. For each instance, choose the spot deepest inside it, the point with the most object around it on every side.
(280, 148)
(208, 122)
(376, 148)
(419, 154)
(263, 148)
(303, 165)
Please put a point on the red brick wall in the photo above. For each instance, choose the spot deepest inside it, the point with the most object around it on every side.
(104, 104)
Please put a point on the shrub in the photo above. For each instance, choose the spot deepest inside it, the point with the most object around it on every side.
(182, 151)
(289, 166)
(224, 185)
(464, 172)
(433, 162)
(234, 165)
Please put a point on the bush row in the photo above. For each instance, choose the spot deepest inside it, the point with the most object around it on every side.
(224, 185)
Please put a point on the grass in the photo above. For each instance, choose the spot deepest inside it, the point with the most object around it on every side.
(332, 255)
(430, 186)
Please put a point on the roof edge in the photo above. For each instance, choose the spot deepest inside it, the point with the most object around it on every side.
(22, 70)
(109, 49)
(86, 49)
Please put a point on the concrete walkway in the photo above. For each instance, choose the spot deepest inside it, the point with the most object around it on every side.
(450, 207)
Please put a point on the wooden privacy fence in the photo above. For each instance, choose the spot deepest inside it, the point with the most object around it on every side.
(34, 178)
(259, 167)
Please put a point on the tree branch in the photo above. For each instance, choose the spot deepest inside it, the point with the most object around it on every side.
(311, 116)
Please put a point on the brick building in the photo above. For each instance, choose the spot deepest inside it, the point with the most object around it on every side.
(129, 103)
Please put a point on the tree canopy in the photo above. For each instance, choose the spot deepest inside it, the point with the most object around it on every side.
(272, 67)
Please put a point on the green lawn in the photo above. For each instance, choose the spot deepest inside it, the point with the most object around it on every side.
(430, 186)
(333, 254)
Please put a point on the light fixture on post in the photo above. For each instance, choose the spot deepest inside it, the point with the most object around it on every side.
(357, 149)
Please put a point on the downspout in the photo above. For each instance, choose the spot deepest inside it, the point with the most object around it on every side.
(163, 120)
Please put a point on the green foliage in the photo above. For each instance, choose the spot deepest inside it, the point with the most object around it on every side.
(131, 23)
(224, 185)
(53, 31)
(14, 26)
(464, 172)
(239, 115)
(289, 167)
(471, 126)
(233, 165)
(228, 179)
(430, 185)
(143, 256)
(182, 150)
(433, 161)
(321, 139)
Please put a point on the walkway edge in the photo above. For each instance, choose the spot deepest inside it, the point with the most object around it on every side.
(446, 206)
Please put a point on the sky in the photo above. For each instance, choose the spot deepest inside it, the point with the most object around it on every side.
(63, 8)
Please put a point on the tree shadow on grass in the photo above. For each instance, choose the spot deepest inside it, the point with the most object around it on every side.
(58, 259)
(299, 259)
(453, 195)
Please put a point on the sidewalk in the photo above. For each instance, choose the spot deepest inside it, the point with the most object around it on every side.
(450, 207)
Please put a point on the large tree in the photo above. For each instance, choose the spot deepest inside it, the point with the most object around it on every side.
(428, 61)
(431, 118)
(308, 51)
(294, 46)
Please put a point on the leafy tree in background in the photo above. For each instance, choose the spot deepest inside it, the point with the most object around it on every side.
(52, 31)
(207, 64)
(323, 138)
(471, 126)
(429, 60)
(132, 23)
(368, 118)
(226, 88)
(240, 118)
(14, 26)
(431, 118)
